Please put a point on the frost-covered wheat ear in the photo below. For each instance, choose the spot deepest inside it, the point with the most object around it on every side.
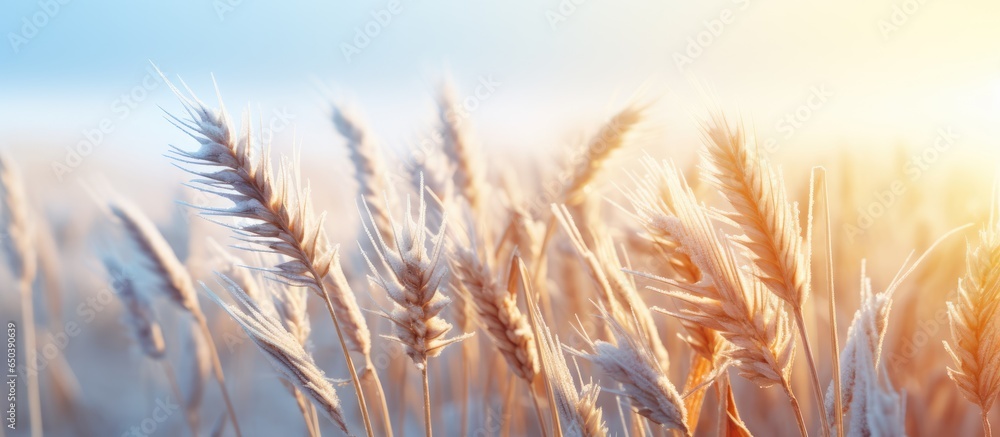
(875, 408)
(630, 363)
(271, 213)
(139, 314)
(414, 275)
(284, 351)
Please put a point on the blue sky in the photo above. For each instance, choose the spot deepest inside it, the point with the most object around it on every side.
(939, 66)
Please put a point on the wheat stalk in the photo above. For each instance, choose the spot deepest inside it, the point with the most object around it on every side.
(139, 314)
(629, 361)
(619, 294)
(413, 279)
(284, 351)
(727, 299)
(496, 307)
(147, 331)
(875, 409)
(975, 344)
(15, 222)
(592, 158)
(459, 149)
(280, 215)
(769, 222)
(575, 412)
(369, 169)
(174, 280)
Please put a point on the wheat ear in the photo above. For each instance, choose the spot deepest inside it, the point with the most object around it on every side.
(284, 351)
(174, 278)
(369, 168)
(727, 299)
(413, 280)
(281, 219)
(589, 162)
(459, 150)
(769, 222)
(875, 409)
(630, 362)
(619, 295)
(575, 411)
(23, 261)
(141, 318)
(975, 344)
(652, 202)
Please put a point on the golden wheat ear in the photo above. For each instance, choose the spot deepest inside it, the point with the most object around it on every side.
(975, 333)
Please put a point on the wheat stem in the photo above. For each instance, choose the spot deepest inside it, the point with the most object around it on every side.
(189, 414)
(835, 342)
(372, 374)
(427, 401)
(803, 430)
(216, 366)
(817, 388)
(350, 362)
(987, 431)
(31, 354)
(538, 409)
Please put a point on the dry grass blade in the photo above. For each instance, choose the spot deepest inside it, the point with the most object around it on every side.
(975, 344)
(284, 351)
(630, 362)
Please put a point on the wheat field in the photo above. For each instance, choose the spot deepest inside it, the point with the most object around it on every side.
(614, 293)
(777, 224)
